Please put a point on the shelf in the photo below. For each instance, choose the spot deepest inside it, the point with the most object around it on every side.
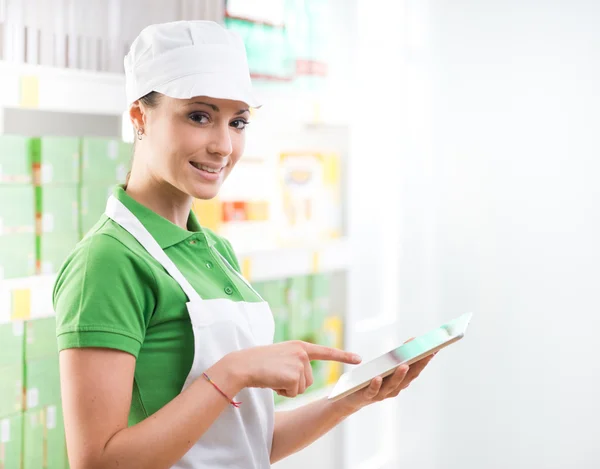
(303, 399)
(279, 263)
(31, 297)
(54, 89)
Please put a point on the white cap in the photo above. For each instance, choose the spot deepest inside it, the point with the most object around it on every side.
(184, 59)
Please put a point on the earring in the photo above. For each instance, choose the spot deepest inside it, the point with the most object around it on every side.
(140, 132)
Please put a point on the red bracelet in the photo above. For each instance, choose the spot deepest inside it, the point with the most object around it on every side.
(231, 401)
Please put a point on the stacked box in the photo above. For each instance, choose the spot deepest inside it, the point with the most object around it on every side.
(40, 339)
(17, 231)
(42, 383)
(15, 163)
(104, 163)
(93, 203)
(33, 439)
(55, 160)
(299, 305)
(11, 441)
(319, 293)
(11, 388)
(57, 208)
(11, 368)
(55, 443)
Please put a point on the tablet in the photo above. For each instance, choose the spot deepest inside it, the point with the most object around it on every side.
(408, 353)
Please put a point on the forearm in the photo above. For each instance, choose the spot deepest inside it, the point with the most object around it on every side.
(162, 439)
(297, 429)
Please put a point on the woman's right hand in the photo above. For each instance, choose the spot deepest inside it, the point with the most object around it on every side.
(284, 367)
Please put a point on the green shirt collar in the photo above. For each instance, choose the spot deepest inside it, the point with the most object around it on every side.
(162, 230)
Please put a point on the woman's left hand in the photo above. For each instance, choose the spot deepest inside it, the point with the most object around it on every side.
(380, 389)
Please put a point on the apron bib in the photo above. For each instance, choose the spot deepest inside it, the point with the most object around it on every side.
(239, 438)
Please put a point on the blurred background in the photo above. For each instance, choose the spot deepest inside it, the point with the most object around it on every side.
(414, 160)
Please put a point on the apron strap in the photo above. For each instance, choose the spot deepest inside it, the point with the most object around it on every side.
(116, 211)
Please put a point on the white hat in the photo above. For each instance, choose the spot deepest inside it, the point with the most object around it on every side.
(184, 59)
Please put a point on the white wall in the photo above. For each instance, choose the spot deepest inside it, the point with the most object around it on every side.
(500, 217)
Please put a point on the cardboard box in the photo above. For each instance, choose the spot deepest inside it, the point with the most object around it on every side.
(93, 204)
(44, 443)
(15, 163)
(105, 160)
(42, 383)
(11, 389)
(299, 305)
(275, 293)
(40, 339)
(55, 444)
(55, 160)
(18, 216)
(17, 255)
(53, 249)
(57, 208)
(320, 294)
(33, 439)
(11, 441)
(12, 338)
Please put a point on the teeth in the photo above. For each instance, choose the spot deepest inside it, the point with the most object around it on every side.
(205, 168)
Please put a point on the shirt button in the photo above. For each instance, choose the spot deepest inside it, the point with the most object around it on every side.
(229, 290)
(209, 265)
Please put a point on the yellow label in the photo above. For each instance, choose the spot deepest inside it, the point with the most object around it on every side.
(316, 262)
(21, 302)
(30, 91)
(247, 268)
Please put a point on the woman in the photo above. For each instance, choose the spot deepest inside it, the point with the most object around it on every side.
(166, 355)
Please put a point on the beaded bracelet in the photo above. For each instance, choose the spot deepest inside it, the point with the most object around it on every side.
(231, 401)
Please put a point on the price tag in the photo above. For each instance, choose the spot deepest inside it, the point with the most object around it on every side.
(5, 431)
(30, 91)
(33, 398)
(51, 417)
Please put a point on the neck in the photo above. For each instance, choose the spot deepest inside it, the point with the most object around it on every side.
(160, 197)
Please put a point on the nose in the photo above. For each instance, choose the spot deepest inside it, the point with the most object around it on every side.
(220, 142)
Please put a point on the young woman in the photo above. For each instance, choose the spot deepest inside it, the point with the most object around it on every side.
(166, 354)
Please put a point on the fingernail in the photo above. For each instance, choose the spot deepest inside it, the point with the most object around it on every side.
(356, 358)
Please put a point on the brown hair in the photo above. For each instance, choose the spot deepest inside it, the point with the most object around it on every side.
(151, 100)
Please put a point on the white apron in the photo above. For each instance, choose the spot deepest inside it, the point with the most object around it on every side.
(239, 438)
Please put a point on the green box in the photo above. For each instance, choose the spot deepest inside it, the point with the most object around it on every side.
(299, 305)
(55, 441)
(93, 204)
(15, 162)
(11, 389)
(11, 441)
(33, 439)
(17, 255)
(55, 160)
(275, 293)
(12, 338)
(57, 207)
(53, 249)
(320, 298)
(40, 339)
(17, 209)
(105, 160)
(42, 383)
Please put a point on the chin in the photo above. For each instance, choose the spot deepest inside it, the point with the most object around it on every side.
(205, 193)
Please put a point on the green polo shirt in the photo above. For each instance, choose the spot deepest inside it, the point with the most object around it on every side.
(111, 293)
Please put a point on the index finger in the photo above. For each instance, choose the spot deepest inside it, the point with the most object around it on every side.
(320, 352)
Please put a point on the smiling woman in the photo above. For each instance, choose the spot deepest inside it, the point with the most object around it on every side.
(167, 356)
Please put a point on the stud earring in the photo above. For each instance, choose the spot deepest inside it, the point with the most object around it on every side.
(140, 132)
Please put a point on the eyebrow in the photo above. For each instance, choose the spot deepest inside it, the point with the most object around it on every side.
(216, 108)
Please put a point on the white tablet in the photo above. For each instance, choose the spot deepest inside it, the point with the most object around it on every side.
(408, 353)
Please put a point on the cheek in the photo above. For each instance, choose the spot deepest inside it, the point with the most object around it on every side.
(238, 143)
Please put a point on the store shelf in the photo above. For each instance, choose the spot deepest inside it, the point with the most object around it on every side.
(25, 86)
(31, 297)
(278, 263)
(303, 399)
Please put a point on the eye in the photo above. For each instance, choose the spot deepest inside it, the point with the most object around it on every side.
(199, 117)
(239, 124)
